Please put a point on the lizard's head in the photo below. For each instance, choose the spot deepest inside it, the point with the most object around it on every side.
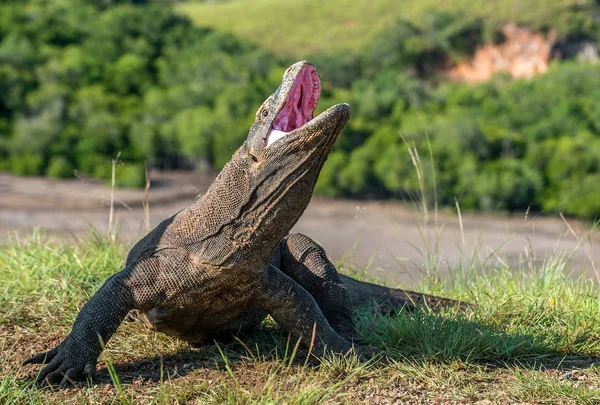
(284, 124)
(278, 165)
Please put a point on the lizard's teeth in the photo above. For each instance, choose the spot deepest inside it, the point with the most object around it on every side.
(275, 135)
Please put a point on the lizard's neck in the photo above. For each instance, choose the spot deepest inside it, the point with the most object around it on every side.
(240, 224)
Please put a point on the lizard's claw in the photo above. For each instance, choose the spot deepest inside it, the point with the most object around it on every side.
(373, 352)
(369, 351)
(64, 366)
(42, 357)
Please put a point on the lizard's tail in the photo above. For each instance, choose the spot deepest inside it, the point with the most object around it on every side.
(390, 299)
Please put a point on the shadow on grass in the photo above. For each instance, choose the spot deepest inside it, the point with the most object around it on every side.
(424, 336)
(267, 344)
(418, 337)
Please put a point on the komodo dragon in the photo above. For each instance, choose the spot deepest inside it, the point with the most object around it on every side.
(220, 266)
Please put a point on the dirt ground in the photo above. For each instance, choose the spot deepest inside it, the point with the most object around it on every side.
(389, 238)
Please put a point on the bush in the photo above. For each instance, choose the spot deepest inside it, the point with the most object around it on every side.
(59, 167)
(130, 175)
(27, 165)
(508, 184)
(578, 196)
(329, 178)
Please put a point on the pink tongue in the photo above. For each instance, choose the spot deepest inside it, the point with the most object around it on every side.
(298, 107)
(292, 115)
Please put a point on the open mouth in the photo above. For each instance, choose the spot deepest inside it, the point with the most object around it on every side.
(299, 106)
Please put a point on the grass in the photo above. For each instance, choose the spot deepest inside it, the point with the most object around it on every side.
(534, 337)
(301, 28)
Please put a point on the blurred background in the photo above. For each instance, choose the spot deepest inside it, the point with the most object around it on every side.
(496, 101)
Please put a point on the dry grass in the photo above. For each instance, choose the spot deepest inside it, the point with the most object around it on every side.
(533, 338)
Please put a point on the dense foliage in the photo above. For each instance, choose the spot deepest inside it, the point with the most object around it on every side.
(500, 145)
(82, 81)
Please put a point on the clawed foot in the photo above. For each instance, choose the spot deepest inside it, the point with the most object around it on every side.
(364, 353)
(373, 352)
(64, 367)
(368, 353)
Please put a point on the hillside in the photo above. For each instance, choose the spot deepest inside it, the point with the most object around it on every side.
(303, 27)
(89, 81)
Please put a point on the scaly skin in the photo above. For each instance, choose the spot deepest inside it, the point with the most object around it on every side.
(221, 265)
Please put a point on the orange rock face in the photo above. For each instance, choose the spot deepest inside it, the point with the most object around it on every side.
(523, 54)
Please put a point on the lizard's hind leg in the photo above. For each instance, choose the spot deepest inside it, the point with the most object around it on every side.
(303, 260)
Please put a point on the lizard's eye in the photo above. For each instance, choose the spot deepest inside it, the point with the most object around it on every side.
(265, 113)
(253, 157)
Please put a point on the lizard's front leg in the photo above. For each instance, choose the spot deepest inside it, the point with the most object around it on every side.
(76, 356)
(296, 311)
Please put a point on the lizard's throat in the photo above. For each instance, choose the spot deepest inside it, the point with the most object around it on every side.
(299, 105)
